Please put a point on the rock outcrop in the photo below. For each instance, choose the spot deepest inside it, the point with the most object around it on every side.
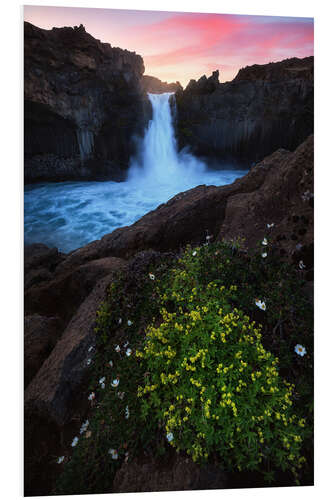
(264, 108)
(155, 86)
(181, 474)
(83, 104)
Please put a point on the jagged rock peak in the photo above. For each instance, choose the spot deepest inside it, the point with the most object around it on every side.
(278, 71)
(204, 85)
(156, 86)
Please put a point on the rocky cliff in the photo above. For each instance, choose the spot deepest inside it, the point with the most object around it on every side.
(264, 108)
(156, 86)
(83, 104)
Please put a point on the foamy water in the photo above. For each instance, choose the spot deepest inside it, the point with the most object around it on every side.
(69, 215)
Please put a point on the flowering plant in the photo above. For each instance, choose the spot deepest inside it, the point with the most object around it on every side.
(211, 383)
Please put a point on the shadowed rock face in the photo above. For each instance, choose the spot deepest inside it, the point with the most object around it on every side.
(83, 104)
(155, 86)
(264, 108)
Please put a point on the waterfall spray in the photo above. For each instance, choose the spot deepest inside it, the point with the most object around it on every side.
(158, 162)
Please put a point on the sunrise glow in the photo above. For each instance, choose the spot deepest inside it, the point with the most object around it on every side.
(181, 46)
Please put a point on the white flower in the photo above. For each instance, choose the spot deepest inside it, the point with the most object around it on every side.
(103, 386)
(75, 441)
(264, 255)
(301, 265)
(90, 348)
(91, 396)
(194, 253)
(264, 242)
(129, 322)
(126, 344)
(270, 225)
(101, 380)
(84, 427)
(111, 363)
(260, 304)
(120, 321)
(169, 436)
(128, 351)
(151, 276)
(121, 395)
(115, 382)
(88, 361)
(127, 413)
(307, 196)
(300, 350)
(117, 348)
(60, 460)
(113, 453)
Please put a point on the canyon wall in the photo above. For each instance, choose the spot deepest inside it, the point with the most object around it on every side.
(264, 108)
(84, 102)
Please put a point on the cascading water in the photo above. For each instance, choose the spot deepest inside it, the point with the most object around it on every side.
(69, 215)
(158, 162)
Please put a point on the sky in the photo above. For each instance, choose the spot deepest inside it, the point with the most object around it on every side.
(181, 46)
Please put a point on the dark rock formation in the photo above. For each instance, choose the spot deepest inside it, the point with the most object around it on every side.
(39, 263)
(52, 389)
(83, 104)
(40, 336)
(155, 86)
(62, 292)
(264, 108)
(179, 474)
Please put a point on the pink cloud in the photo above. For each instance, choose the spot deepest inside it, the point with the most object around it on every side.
(181, 46)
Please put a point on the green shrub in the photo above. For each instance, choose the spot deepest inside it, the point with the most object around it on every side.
(212, 385)
(199, 307)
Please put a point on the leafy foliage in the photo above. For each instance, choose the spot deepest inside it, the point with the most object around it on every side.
(213, 372)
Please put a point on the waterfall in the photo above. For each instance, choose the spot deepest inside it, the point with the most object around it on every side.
(71, 214)
(158, 161)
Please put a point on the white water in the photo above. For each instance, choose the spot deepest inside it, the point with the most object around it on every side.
(71, 214)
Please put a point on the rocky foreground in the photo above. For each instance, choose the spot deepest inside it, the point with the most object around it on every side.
(64, 291)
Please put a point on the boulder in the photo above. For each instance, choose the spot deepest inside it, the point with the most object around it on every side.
(39, 255)
(51, 393)
(40, 336)
(282, 200)
(176, 474)
(63, 294)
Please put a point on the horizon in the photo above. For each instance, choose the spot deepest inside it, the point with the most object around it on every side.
(180, 46)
